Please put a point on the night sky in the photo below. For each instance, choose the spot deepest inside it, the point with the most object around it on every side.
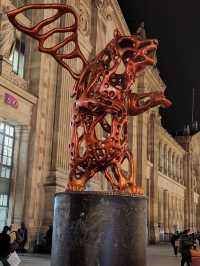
(176, 24)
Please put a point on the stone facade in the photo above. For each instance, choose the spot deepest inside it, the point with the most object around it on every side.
(167, 168)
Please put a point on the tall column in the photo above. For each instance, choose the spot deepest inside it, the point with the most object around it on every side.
(167, 162)
(20, 182)
(154, 233)
(58, 166)
(161, 157)
(166, 211)
(198, 215)
(189, 192)
(42, 83)
(161, 209)
(141, 140)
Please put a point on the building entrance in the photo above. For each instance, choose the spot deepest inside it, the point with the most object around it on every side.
(7, 137)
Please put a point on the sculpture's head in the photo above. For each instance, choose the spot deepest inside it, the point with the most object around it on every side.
(136, 52)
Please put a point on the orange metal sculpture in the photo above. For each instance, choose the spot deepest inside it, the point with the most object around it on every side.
(103, 99)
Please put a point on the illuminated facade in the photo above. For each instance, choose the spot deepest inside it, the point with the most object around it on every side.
(35, 112)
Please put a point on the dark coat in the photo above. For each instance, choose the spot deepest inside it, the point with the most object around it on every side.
(185, 244)
(174, 238)
(4, 245)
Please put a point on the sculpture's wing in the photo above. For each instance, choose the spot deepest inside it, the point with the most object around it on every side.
(56, 51)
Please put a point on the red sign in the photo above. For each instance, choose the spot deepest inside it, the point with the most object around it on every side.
(11, 100)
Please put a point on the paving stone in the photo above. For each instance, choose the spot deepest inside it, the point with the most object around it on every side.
(162, 255)
(158, 255)
(35, 260)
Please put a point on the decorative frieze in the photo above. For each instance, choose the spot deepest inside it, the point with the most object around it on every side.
(7, 73)
(84, 21)
(105, 9)
(100, 3)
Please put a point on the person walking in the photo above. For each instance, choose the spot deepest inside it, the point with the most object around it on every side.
(15, 238)
(48, 238)
(185, 245)
(4, 245)
(174, 241)
(23, 233)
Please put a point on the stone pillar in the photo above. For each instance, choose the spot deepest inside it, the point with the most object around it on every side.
(21, 175)
(194, 219)
(57, 168)
(42, 83)
(171, 216)
(141, 140)
(167, 162)
(154, 236)
(166, 211)
(198, 215)
(161, 157)
(189, 192)
(148, 206)
(161, 220)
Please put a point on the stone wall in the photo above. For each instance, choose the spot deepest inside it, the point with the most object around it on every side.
(168, 169)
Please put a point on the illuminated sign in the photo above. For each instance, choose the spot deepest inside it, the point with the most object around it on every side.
(11, 100)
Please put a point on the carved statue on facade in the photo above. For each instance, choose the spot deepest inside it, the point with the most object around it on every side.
(103, 98)
(141, 32)
(7, 31)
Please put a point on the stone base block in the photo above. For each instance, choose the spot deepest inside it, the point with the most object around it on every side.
(99, 229)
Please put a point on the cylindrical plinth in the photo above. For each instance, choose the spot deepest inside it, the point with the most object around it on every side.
(99, 229)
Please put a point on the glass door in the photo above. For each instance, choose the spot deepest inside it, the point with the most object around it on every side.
(7, 133)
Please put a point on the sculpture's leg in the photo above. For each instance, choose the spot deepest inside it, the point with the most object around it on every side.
(132, 187)
(124, 180)
(121, 184)
(111, 179)
(131, 178)
(126, 183)
(79, 183)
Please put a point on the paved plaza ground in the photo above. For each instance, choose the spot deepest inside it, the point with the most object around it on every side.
(159, 255)
(35, 260)
(162, 255)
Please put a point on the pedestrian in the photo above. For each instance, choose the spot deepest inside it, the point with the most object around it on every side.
(23, 233)
(194, 240)
(175, 242)
(185, 248)
(4, 245)
(15, 238)
(48, 238)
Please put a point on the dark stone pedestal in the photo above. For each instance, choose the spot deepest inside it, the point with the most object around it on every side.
(99, 229)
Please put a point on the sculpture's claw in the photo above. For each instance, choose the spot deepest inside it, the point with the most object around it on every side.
(166, 103)
(136, 190)
(73, 186)
(161, 99)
